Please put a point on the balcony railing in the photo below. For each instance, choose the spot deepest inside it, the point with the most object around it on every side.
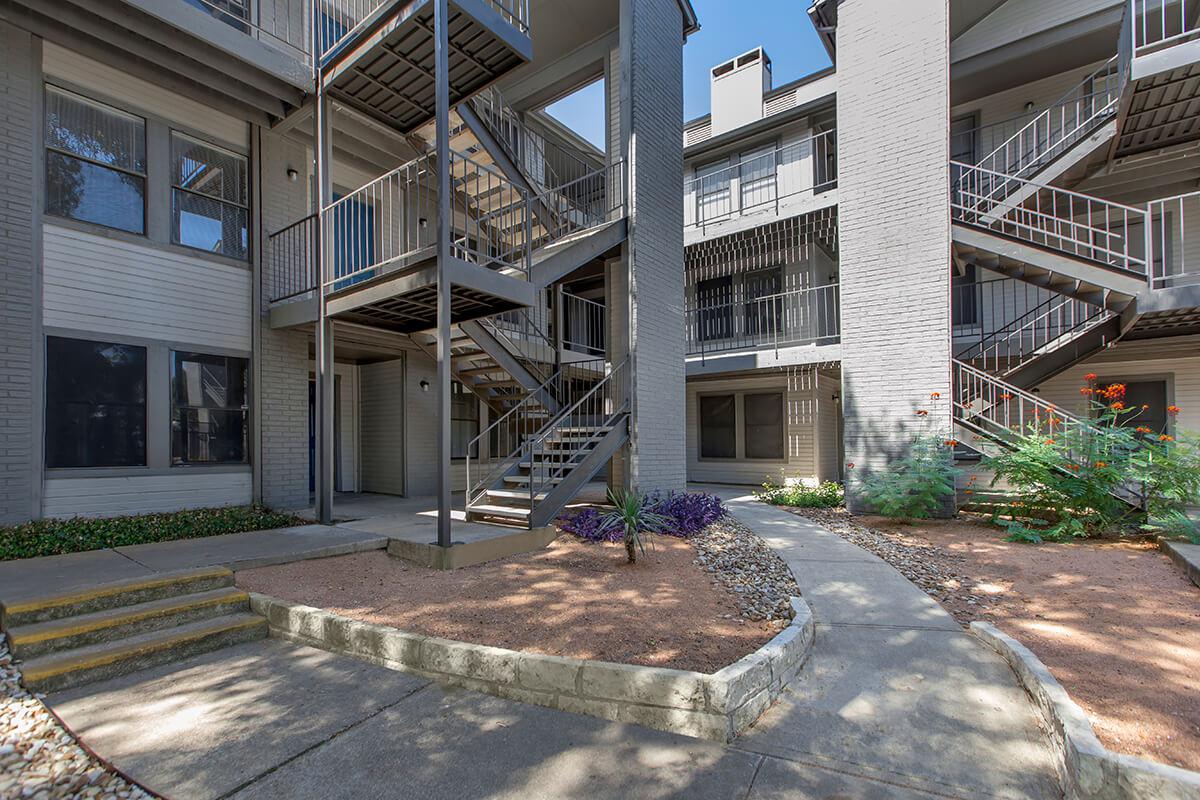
(390, 224)
(1172, 241)
(584, 325)
(287, 24)
(580, 204)
(1159, 24)
(786, 319)
(763, 182)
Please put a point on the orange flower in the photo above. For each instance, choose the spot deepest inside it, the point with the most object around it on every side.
(922, 412)
(967, 491)
(1173, 410)
(1114, 391)
(849, 465)
(1006, 396)
(935, 395)
(1143, 429)
(1100, 465)
(1165, 438)
(1145, 407)
(952, 443)
(1086, 390)
(1049, 441)
(1118, 406)
(1074, 467)
(1091, 376)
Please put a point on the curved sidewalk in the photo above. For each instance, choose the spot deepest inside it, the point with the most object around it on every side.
(896, 691)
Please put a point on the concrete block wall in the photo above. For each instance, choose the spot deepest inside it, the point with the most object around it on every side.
(894, 225)
(652, 137)
(20, 336)
(283, 355)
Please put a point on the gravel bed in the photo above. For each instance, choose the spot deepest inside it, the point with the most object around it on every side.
(745, 565)
(38, 758)
(940, 574)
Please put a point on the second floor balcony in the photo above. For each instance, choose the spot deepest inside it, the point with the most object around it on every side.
(775, 322)
(776, 180)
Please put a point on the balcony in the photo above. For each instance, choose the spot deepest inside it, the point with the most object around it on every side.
(786, 181)
(380, 248)
(773, 323)
(1165, 34)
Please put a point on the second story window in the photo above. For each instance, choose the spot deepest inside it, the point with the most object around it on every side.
(209, 197)
(235, 13)
(757, 178)
(95, 162)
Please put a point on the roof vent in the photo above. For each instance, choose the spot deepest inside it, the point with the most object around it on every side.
(738, 87)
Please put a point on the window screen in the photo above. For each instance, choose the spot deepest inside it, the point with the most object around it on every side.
(714, 308)
(95, 162)
(95, 404)
(209, 404)
(764, 426)
(209, 197)
(756, 177)
(713, 198)
(464, 420)
(718, 426)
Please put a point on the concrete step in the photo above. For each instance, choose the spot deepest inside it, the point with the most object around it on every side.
(113, 595)
(40, 638)
(501, 512)
(56, 671)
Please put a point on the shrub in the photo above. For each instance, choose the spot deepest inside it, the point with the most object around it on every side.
(585, 523)
(50, 537)
(633, 518)
(1084, 479)
(916, 486)
(688, 512)
(827, 495)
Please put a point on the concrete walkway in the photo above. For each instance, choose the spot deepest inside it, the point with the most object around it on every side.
(896, 702)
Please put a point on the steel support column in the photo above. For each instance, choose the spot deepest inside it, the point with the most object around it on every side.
(322, 197)
(442, 147)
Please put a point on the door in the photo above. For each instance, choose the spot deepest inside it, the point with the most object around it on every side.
(381, 406)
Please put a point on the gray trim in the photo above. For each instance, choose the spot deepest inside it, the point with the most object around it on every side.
(735, 137)
(257, 241)
(141, 341)
(38, 389)
(133, 472)
(144, 241)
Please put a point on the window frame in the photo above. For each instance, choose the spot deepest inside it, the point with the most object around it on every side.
(146, 406)
(173, 186)
(50, 87)
(770, 176)
(1165, 378)
(700, 398)
(478, 420)
(173, 406)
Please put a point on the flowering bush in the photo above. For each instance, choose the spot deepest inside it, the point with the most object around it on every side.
(916, 486)
(1077, 480)
(686, 513)
(791, 492)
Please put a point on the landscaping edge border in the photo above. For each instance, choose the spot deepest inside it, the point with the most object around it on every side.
(717, 706)
(1086, 768)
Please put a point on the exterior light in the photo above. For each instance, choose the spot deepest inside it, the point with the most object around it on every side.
(292, 175)
(424, 386)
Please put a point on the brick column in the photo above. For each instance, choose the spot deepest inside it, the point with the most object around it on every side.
(894, 224)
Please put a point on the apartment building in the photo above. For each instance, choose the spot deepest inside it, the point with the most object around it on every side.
(275, 250)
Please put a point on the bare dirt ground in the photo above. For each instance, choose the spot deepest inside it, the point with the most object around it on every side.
(573, 599)
(1115, 621)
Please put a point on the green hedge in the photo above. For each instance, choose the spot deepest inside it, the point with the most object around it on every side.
(52, 537)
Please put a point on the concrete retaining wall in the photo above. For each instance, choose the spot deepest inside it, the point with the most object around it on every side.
(718, 706)
(1087, 770)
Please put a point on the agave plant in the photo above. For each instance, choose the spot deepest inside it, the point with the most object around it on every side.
(634, 518)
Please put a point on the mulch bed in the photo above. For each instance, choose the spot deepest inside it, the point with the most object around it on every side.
(1115, 621)
(574, 598)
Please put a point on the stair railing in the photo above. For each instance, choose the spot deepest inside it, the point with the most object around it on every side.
(519, 332)
(1056, 128)
(504, 443)
(585, 422)
(583, 203)
(1077, 224)
(290, 271)
(1030, 335)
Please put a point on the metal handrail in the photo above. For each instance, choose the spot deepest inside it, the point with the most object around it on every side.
(1167, 244)
(290, 263)
(272, 23)
(1078, 224)
(582, 203)
(794, 317)
(1177, 21)
(1028, 336)
(351, 17)
(584, 323)
(763, 181)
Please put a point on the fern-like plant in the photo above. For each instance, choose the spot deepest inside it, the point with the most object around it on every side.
(633, 517)
(916, 486)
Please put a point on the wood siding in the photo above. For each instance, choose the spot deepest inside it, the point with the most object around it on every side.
(140, 494)
(381, 422)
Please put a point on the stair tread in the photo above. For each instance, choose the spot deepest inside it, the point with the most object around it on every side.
(514, 494)
(112, 617)
(114, 588)
(95, 655)
(502, 511)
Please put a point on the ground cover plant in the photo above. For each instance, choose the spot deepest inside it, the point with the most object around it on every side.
(1101, 473)
(683, 515)
(50, 537)
(790, 492)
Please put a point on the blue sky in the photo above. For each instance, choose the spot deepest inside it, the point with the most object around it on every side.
(727, 28)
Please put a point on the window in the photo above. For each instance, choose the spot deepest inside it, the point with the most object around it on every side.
(209, 197)
(714, 308)
(1144, 393)
(234, 13)
(757, 177)
(464, 420)
(95, 162)
(764, 426)
(95, 404)
(966, 291)
(713, 199)
(718, 426)
(208, 409)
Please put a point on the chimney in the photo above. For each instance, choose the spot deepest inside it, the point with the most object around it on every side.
(738, 87)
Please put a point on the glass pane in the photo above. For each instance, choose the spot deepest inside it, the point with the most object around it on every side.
(205, 381)
(95, 404)
(234, 13)
(764, 426)
(464, 420)
(85, 191)
(718, 435)
(209, 170)
(209, 225)
(757, 178)
(95, 131)
(208, 436)
(714, 299)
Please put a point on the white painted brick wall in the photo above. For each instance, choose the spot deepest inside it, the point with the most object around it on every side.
(893, 100)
